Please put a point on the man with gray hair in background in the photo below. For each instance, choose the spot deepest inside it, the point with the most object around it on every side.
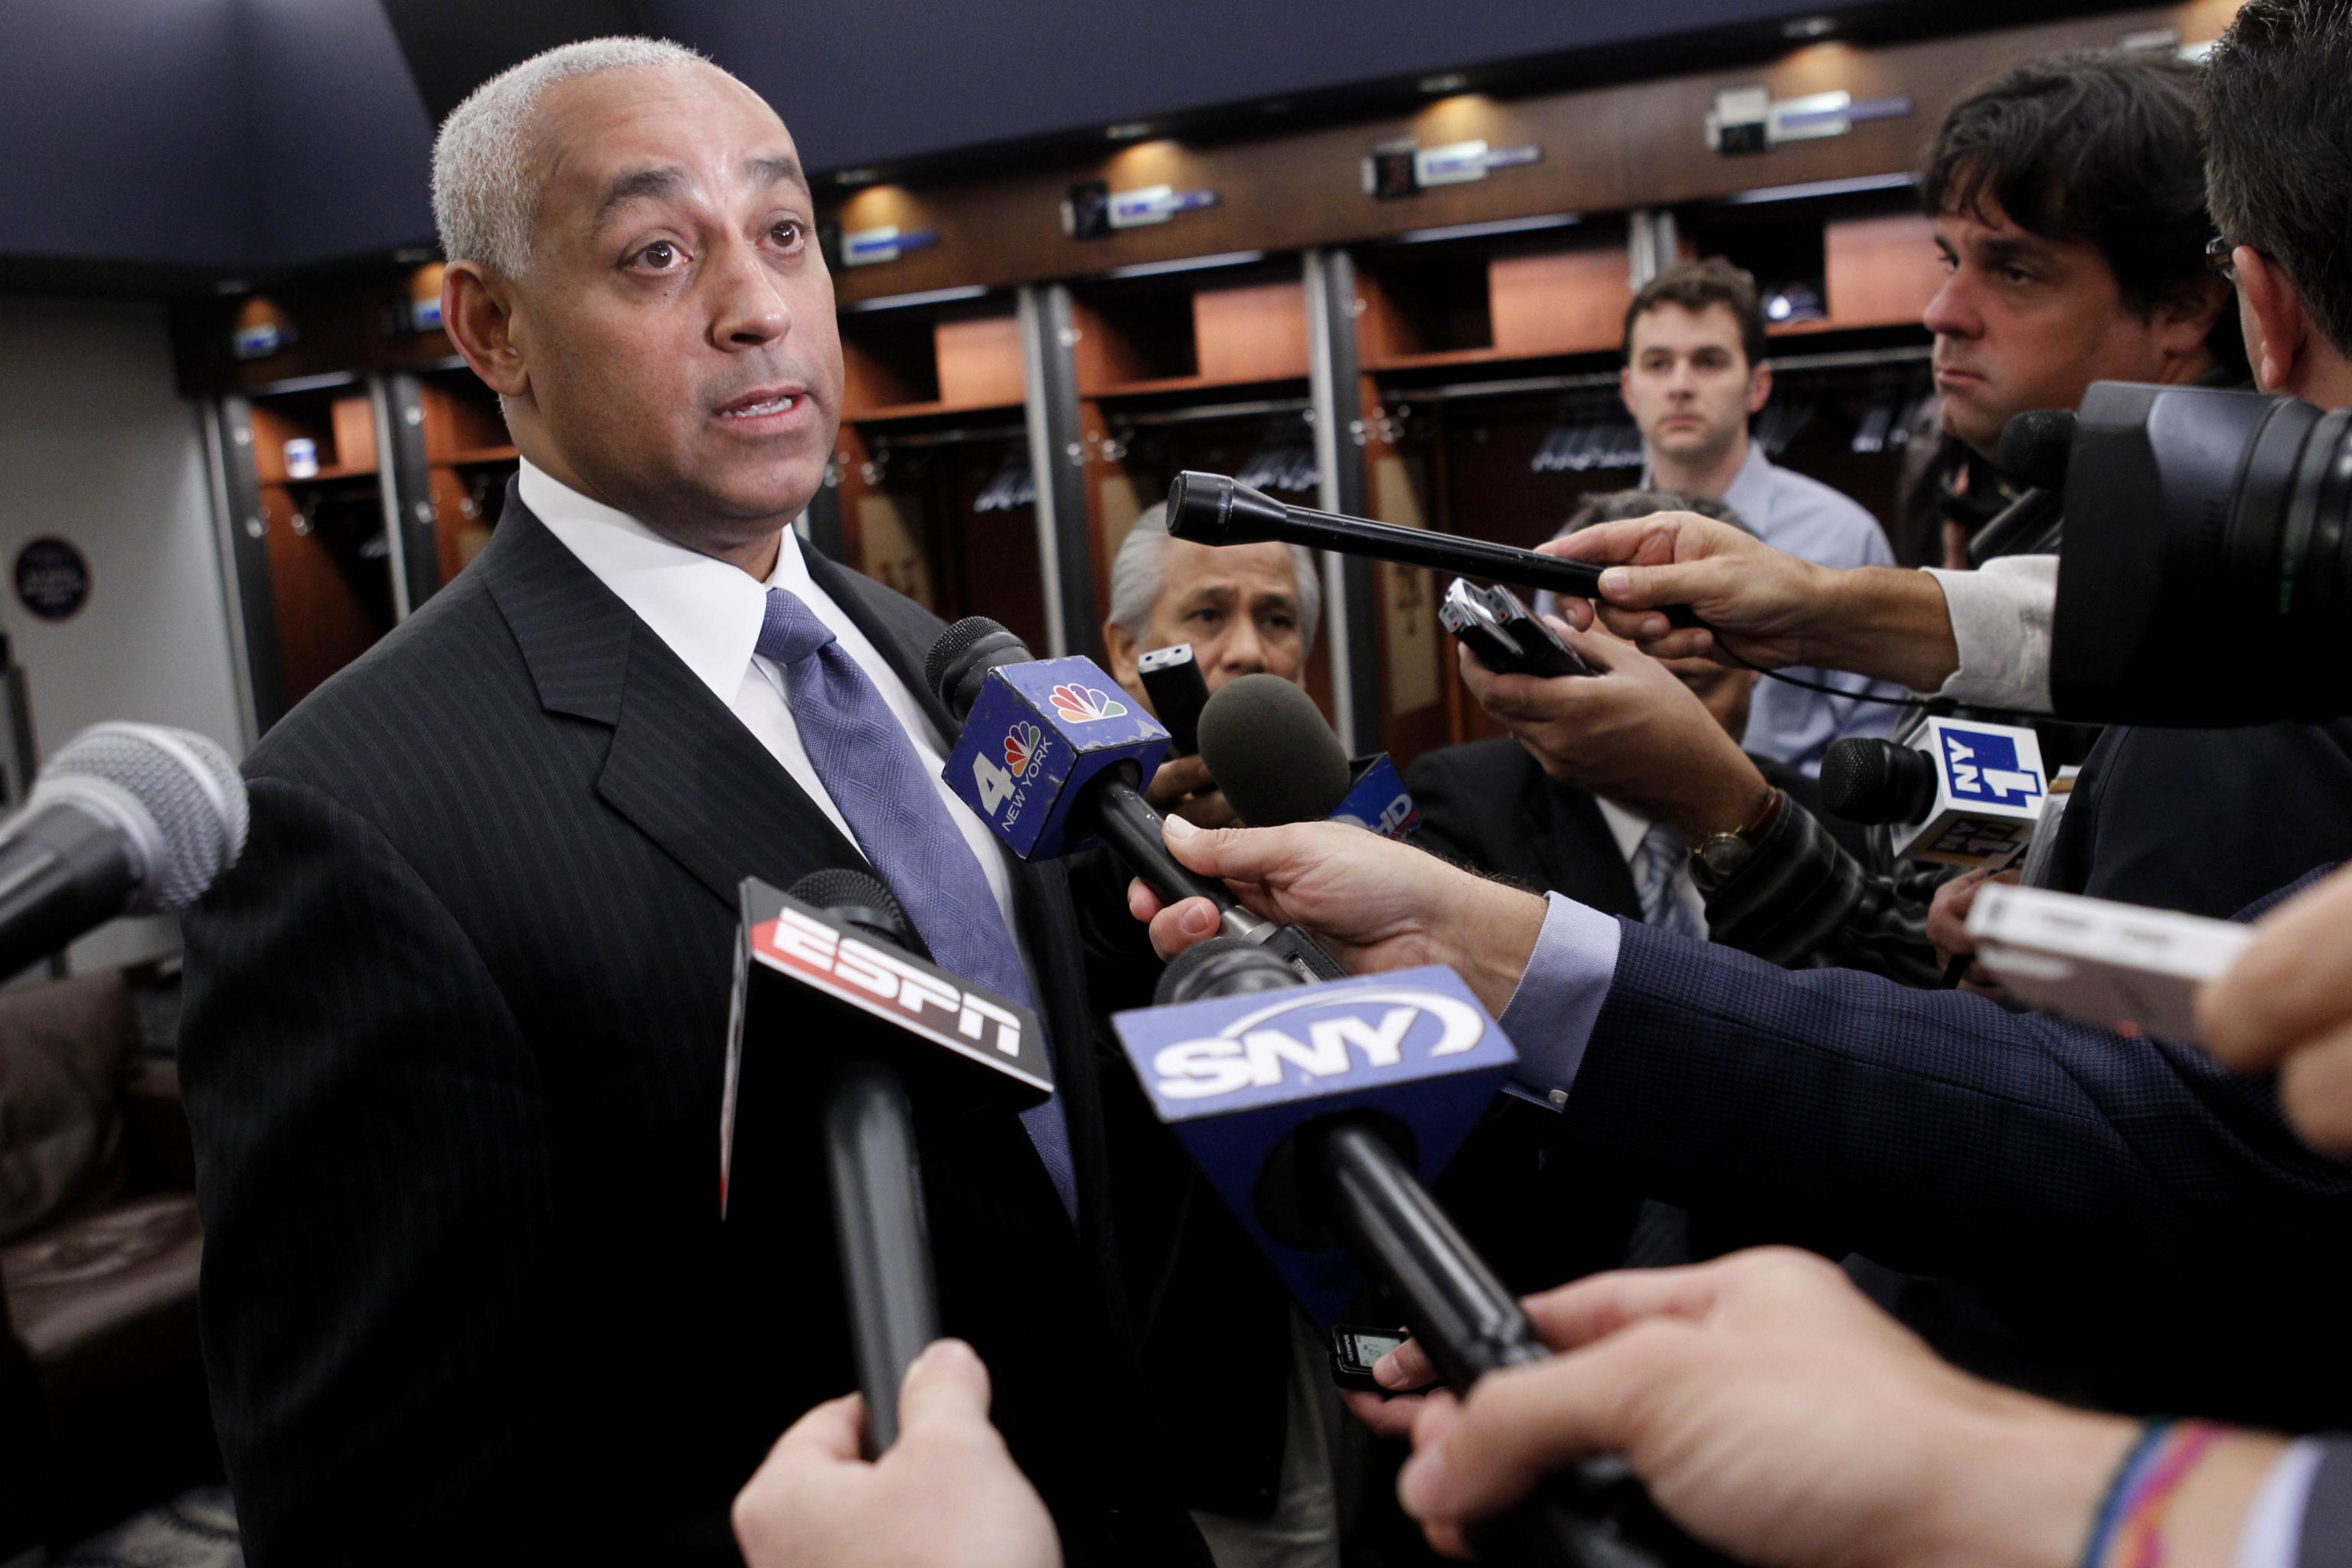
(454, 1052)
(1246, 609)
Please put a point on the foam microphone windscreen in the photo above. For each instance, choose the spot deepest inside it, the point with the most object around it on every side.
(2035, 447)
(1871, 780)
(1269, 748)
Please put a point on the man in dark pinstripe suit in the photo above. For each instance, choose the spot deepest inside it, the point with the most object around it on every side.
(455, 1028)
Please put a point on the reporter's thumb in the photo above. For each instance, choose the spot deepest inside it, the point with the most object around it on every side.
(1647, 587)
(948, 1383)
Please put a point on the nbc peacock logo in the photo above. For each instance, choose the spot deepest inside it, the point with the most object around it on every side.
(1021, 748)
(1084, 704)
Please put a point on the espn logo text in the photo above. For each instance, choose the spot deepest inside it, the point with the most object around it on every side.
(859, 972)
(1362, 1032)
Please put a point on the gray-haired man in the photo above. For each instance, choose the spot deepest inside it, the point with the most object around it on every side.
(1245, 608)
(452, 1052)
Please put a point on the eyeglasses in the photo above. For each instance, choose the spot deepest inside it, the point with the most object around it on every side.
(2219, 252)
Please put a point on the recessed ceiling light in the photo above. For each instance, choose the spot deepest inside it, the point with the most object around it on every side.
(1804, 28)
(857, 176)
(1127, 131)
(1445, 81)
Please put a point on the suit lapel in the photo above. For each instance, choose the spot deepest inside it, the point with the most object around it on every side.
(681, 768)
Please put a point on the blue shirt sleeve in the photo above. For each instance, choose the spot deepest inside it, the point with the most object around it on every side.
(1550, 1015)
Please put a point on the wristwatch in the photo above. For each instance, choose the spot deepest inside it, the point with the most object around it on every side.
(1719, 859)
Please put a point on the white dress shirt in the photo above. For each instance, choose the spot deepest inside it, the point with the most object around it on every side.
(2003, 614)
(709, 614)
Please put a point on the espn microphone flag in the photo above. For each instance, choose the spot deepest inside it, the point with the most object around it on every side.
(1236, 1076)
(797, 969)
(1037, 734)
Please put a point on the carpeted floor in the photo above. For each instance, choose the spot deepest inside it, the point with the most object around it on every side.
(195, 1529)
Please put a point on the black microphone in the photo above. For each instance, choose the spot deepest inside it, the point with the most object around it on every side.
(126, 819)
(2036, 446)
(1873, 782)
(1056, 761)
(1269, 750)
(1277, 759)
(2034, 449)
(1316, 1114)
(829, 964)
(1210, 509)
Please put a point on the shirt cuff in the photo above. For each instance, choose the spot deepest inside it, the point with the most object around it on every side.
(1551, 1013)
(2002, 615)
(2273, 1535)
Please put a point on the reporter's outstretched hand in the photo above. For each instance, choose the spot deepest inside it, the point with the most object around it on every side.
(1778, 1416)
(1762, 599)
(1376, 905)
(1632, 732)
(1765, 606)
(946, 1495)
(2287, 1002)
(1948, 927)
(1182, 786)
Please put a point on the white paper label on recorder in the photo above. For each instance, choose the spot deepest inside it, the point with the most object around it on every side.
(2102, 962)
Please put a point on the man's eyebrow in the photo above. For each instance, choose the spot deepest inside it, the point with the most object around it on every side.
(639, 184)
(778, 168)
(2019, 250)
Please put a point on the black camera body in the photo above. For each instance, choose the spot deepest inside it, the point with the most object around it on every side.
(2206, 571)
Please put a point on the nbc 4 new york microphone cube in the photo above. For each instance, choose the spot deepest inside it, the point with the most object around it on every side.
(1235, 1077)
(1037, 734)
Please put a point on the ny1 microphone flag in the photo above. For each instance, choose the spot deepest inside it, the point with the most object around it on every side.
(1037, 734)
(1989, 791)
(1236, 1076)
(810, 989)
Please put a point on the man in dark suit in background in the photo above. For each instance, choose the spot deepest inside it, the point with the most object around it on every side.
(455, 1024)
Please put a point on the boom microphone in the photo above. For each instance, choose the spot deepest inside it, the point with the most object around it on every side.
(1319, 1112)
(127, 818)
(1278, 761)
(1210, 509)
(826, 966)
(1053, 759)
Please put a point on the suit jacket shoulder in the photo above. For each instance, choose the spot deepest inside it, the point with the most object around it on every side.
(1488, 804)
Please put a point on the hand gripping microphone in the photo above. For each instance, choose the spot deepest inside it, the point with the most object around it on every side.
(1320, 1112)
(1210, 509)
(127, 818)
(1278, 761)
(1053, 759)
(824, 985)
(1960, 795)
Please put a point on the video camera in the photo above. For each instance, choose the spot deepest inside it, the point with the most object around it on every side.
(2206, 573)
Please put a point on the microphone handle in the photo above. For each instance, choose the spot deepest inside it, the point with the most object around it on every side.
(62, 871)
(885, 1241)
(1130, 825)
(1592, 1515)
(2022, 520)
(1448, 552)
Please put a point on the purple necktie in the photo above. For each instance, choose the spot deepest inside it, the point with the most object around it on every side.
(878, 782)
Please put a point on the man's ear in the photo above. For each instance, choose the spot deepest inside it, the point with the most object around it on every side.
(477, 312)
(1119, 648)
(1759, 388)
(2271, 313)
